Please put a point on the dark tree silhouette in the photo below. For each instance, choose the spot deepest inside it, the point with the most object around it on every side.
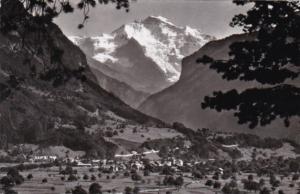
(95, 188)
(35, 16)
(271, 58)
(28, 23)
(79, 190)
(44, 11)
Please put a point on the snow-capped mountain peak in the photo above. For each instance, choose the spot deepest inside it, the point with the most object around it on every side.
(163, 46)
(158, 19)
(192, 32)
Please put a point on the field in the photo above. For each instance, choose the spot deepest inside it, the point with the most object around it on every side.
(55, 185)
(142, 134)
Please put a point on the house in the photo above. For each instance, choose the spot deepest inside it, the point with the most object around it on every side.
(96, 163)
(168, 163)
(137, 165)
(221, 170)
(151, 152)
(230, 146)
(81, 164)
(179, 162)
(43, 158)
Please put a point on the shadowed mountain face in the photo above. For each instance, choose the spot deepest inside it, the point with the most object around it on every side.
(182, 101)
(145, 55)
(35, 111)
(120, 89)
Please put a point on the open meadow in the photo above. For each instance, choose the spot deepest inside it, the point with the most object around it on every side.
(50, 181)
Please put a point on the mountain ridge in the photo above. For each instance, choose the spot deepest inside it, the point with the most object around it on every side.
(41, 112)
(146, 55)
(197, 81)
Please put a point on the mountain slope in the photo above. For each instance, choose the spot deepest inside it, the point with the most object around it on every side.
(146, 55)
(46, 113)
(106, 77)
(120, 89)
(182, 101)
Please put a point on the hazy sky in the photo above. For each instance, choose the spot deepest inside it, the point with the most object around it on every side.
(210, 16)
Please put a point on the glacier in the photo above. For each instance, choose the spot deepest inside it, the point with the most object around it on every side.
(163, 46)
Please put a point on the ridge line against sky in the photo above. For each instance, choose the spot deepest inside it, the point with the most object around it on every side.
(209, 16)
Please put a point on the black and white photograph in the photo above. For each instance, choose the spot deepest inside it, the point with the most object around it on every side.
(149, 96)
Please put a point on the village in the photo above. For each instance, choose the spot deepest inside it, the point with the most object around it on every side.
(121, 162)
(151, 172)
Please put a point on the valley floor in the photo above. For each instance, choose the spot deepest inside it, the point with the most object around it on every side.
(117, 183)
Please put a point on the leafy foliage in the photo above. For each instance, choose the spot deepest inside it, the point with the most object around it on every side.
(79, 190)
(258, 105)
(95, 188)
(27, 24)
(13, 178)
(44, 11)
(271, 59)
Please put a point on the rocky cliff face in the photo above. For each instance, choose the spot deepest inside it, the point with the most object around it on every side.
(182, 101)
